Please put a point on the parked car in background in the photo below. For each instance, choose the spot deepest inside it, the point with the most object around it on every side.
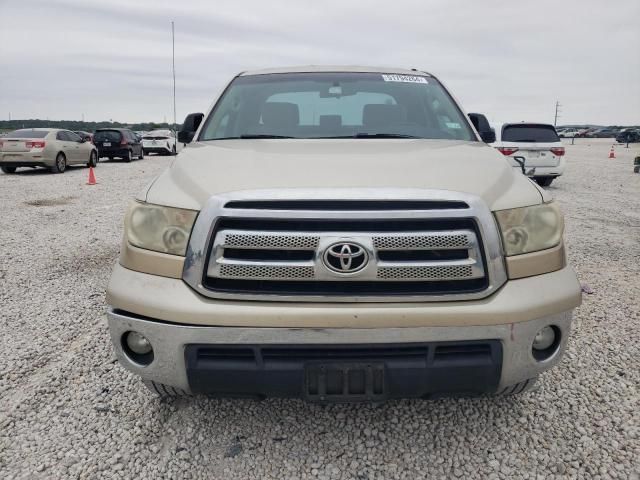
(52, 148)
(538, 144)
(602, 133)
(118, 143)
(568, 133)
(628, 135)
(88, 137)
(159, 141)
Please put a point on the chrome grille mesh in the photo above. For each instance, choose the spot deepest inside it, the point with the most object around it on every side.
(426, 273)
(427, 240)
(270, 240)
(267, 272)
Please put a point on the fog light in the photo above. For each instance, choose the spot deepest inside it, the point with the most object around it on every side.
(544, 338)
(138, 343)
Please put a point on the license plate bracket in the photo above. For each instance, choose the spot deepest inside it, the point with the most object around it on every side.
(329, 382)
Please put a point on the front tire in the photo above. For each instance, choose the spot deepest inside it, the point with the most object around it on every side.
(518, 388)
(93, 160)
(8, 170)
(60, 165)
(165, 391)
(544, 181)
(173, 150)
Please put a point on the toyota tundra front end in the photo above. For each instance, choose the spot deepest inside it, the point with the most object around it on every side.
(340, 234)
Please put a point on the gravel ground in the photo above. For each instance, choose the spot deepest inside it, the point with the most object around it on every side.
(67, 410)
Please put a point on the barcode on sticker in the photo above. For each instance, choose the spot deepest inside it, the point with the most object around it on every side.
(404, 78)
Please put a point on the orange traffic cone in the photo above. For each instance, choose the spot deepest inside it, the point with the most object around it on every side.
(612, 154)
(92, 177)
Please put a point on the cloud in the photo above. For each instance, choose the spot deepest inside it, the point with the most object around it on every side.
(510, 60)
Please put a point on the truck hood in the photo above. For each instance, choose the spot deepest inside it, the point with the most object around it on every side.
(204, 169)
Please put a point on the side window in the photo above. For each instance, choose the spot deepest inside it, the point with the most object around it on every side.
(61, 136)
(73, 137)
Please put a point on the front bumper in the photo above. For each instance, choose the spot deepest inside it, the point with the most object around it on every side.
(232, 363)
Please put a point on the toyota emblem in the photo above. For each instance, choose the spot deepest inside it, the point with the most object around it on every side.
(345, 257)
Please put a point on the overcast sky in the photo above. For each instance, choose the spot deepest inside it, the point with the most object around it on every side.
(509, 59)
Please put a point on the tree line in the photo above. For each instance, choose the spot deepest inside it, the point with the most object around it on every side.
(6, 125)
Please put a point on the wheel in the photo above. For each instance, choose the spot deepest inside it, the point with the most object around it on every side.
(128, 157)
(173, 150)
(93, 159)
(544, 181)
(141, 156)
(165, 391)
(60, 164)
(636, 169)
(518, 388)
(110, 159)
(8, 169)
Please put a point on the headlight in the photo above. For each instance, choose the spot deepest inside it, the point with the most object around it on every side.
(162, 229)
(530, 229)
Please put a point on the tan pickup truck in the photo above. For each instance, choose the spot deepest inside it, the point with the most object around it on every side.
(340, 234)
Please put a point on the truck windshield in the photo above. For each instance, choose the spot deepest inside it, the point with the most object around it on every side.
(336, 105)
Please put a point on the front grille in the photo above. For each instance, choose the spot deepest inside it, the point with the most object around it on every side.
(284, 256)
(345, 245)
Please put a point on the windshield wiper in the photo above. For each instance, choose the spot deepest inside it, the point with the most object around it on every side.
(374, 135)
(383, 135)
(265, 135)
(250, 136)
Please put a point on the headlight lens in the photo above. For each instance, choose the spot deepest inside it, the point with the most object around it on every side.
(162, 229)
(530, 229)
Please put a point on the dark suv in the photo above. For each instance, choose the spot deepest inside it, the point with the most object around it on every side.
(118, 142)
(628, 136)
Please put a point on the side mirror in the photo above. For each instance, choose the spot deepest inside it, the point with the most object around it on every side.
(83, 139)
(189, 127)
(487, 134)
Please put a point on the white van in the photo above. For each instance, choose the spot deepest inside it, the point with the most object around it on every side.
(539, 146)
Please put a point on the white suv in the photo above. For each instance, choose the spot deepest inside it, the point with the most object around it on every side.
(162, 142)
(535, 144)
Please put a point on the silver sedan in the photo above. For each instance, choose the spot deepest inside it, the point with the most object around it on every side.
(52, 148)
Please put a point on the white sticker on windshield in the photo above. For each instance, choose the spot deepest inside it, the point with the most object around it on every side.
(404, 78)
(453, 125)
